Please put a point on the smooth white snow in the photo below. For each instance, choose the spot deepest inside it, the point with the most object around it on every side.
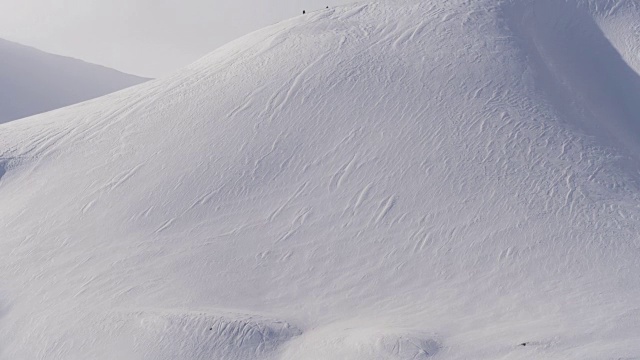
(32, 81)
(398, 180)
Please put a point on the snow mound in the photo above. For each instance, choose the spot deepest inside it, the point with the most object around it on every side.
(220, 337)
(32, 81)
(171, 334)
(361, 343)
(201, 335)
(396, 179)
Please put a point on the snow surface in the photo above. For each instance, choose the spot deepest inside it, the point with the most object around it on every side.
(32, 81)
(399, 180)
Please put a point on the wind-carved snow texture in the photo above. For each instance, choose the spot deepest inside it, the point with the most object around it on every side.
(32, 81)
(407, 179)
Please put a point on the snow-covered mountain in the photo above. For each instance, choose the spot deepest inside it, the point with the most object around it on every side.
(32, 81)
(397, 180)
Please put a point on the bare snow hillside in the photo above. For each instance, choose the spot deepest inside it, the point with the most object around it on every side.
(32, 81)
(389, 181)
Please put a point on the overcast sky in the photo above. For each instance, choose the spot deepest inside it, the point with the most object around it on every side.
(143, 37)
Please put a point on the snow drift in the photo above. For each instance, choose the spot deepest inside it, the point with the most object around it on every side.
(382, 181)
(32, 81)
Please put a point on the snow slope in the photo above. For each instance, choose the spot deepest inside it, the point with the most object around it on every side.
(398, 180)
(32, 81)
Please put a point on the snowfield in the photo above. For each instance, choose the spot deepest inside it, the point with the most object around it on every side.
(388, 181)
(32, 81)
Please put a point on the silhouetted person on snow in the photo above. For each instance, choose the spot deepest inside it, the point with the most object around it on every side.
(303, 12)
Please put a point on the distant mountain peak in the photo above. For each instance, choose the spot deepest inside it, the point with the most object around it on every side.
(33, 81)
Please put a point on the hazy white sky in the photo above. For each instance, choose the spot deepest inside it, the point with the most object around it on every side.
(142, 37)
